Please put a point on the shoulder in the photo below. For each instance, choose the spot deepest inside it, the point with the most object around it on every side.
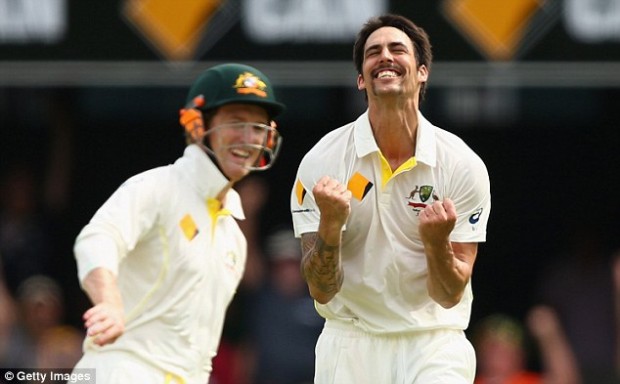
(152, 177)
(148, 185)
(453, 149)
(326, 157)
(329, 146)
(337, 136)
(463, 169)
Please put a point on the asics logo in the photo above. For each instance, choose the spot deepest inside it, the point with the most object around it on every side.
(475, 217)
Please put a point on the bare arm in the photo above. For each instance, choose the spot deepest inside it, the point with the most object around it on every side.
(105, 320)
(320, 264)
(450, 265)
(559, 362)
(321, 267)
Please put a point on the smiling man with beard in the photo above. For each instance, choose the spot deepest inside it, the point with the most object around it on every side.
(390, 210)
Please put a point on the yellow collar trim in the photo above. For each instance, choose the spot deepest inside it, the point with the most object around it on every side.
(386, 170)
(214, 206)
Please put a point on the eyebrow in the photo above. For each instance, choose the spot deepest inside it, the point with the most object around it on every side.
(390, 45)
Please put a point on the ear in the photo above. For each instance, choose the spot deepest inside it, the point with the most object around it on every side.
(422, 73)
(360, 82)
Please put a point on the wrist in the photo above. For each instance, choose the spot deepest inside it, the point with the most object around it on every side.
(443, 247)
(331, 234)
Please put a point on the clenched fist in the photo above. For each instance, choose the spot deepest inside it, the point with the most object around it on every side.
(437, 221)
(333, 200)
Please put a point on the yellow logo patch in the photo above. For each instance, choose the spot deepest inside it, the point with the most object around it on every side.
(359, 186)
(188, 226)
(300, 192)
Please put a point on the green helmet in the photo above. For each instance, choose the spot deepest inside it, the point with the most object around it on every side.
(235, 83)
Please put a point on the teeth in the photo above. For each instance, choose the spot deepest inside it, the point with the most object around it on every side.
(240, 153)
(384, 74)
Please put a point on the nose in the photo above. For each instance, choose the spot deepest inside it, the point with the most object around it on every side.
(385, 54)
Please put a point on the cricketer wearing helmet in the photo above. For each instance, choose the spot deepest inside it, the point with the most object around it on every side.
(162, 258)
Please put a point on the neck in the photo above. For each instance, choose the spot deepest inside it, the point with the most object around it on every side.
(221, 196)
(395, 130)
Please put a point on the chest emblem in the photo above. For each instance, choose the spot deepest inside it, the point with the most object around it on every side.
(418, 198)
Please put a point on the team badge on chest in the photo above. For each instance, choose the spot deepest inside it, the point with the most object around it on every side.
(421, 196)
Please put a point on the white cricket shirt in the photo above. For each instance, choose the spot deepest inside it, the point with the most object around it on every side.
(385, 269)
(178, 257)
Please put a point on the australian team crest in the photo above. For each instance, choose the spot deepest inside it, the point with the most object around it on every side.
(419, 197)
(248, 83)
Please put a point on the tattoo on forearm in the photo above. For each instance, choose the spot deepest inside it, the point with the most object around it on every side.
(320, 264)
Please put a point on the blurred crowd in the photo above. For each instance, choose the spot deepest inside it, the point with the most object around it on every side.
(569, 335)
(571, 332)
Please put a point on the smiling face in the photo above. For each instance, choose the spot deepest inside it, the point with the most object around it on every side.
(236, 139)
(389, 66)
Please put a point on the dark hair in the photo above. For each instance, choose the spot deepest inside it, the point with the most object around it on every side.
(419, 39)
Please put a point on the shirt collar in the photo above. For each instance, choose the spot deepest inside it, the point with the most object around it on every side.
(425, 144)
(207, 179)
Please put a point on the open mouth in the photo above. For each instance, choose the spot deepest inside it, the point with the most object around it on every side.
(386, 73)
(240, 153)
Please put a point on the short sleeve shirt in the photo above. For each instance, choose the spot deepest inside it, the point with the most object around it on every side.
(385, 268)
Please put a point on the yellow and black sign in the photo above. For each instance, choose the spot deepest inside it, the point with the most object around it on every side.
(174, 28)
(495, 28)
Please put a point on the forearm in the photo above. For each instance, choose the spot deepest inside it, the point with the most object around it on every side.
(105, 321)
(321, 266)
(559, 361)
(100, 286)
(448, 275)
(557, 357)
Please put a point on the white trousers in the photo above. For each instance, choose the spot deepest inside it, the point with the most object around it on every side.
(346, 355)
(115, 367)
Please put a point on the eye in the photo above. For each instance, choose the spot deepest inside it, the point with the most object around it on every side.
(372, 52)
(399, 48)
